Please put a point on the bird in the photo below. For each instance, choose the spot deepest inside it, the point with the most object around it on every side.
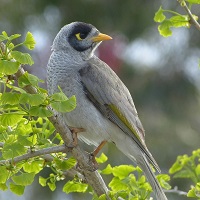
(105, 111)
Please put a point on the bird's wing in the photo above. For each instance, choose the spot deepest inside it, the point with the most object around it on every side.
(111, 97)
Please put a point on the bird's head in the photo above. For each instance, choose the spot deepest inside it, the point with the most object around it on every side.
(79, 37)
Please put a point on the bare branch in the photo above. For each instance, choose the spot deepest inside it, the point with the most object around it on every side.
(176, 191)
(192, 19)
(85, 165)
(32, 154)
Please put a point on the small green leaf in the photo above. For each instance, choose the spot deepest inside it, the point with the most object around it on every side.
(10, 119)
(65, 164)
(3, 187)
(2, 38)
(180, 21)
(107, 170)
(32, 99)
(5, 35)
(17, 189)
(60, 96)
(193, 1)
(52, 186)
(40, 111)
(28, 79)
(12, 37)
(164, 28)
(4, 174)
(33, 166)
(102, 159)
(195, 191)
(11, 150)
(122, 171)
(10, 98)
(159, 16)
(42, 181)
(117, 185)
(24, 179)
(29, 41)
(163, 180)
(23, 58)
(8, 67)
(65, 106)
(72, 186)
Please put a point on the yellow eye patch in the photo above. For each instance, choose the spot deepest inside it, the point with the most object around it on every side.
(78, 36)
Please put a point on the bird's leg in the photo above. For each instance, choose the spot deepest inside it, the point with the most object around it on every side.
(75, 131)
(95, 152)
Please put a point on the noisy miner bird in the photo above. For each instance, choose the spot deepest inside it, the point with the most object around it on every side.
(105, 110)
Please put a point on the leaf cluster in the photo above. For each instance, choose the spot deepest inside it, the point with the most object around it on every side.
(176, 20)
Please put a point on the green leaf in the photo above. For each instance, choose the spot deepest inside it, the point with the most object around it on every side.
(43, 181)
(17, 189)
(8, 67)
(4, 174)
(12, 37)
(11, 150)
(195, 191)
(117, 185)
(32, 99)
(2, 38)
(102, 159)
(52, 186)
(23, 58)
(107, 170)
(10, 119)
(40, 111)
(65, 106)
(122, 171)
(60, 96)
(3, 186)
(65, 164)
(163, 178)
(28, 79)
(72, 186)
(10, 98)
(5, 35)
(184, 174)
(180, 21)
(33, 166)
(197, 170)
(193, 1)
(24, 179)
(29, 41)
(159, 16)
(164, 28)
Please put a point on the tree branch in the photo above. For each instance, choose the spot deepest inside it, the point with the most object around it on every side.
(176, 191)
(192, 19)
(85, 164)
(31, 154)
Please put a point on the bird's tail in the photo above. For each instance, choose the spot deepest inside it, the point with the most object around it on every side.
(146, 168)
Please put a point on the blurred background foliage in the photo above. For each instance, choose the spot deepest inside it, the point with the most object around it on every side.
(162, 74)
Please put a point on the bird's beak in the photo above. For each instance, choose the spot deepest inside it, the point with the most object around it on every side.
(101, 37)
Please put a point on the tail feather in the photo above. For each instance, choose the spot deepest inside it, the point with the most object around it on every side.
(144, 165)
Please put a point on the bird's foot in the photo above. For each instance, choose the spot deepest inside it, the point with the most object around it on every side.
(94, 153)
(74, 132)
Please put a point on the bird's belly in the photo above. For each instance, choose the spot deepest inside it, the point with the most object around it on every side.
(85, 115)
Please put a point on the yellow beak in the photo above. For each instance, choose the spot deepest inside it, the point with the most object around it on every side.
(101, 37)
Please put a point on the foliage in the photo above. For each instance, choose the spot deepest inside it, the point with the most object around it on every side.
(188, 167)
(175, 21)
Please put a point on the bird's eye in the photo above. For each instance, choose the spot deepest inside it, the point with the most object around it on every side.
(81, 36)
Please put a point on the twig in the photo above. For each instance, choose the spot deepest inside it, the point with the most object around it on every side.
(32, 154)
(192, 19)
(86, 167)
(176, 191)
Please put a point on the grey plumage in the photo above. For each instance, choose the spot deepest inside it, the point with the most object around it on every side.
(105, 108)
